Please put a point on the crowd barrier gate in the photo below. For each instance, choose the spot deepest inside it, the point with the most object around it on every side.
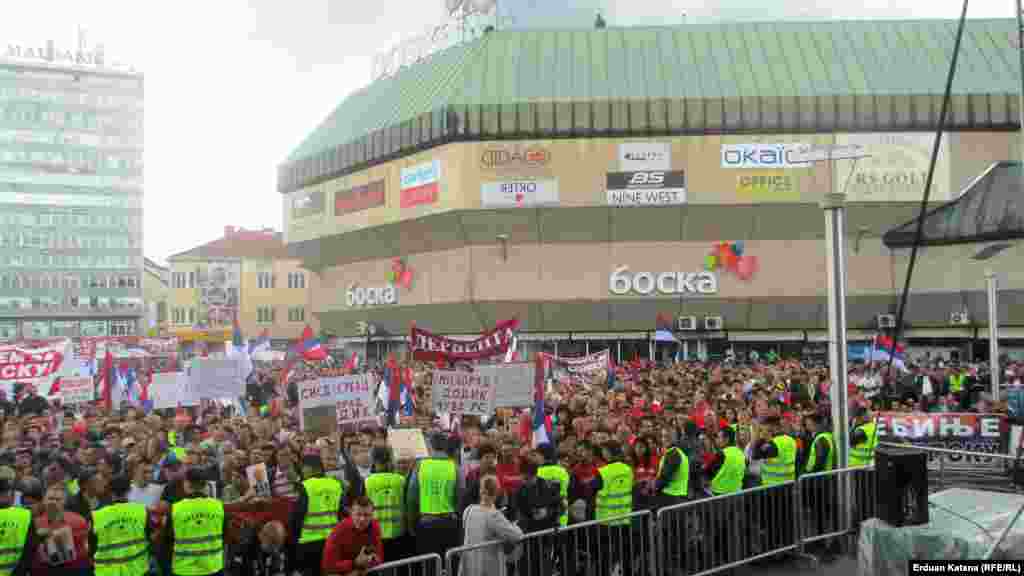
(623, 545)
(423, 565)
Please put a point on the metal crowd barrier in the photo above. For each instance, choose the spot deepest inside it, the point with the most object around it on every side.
(424, 565)
(825, 512)
(622, 545)
(723, 532)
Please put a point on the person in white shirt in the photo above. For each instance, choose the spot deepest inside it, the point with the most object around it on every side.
(143, 491)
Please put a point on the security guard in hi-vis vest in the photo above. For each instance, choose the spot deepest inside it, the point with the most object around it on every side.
(432, 497)
(863, 438)
(552, 471)
(819, 492)
(119, 537)
(726, 521)
(729, 465)
(17, 534)
(318, 510)
(777, 452)
(194, 534)
(386, 489)
(613, 496)
(672, 484)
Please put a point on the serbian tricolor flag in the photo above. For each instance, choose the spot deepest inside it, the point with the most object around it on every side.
(408, 397)
(540, 429)
(392, 378)
(107, 381)
(311, 348)
(351, 364)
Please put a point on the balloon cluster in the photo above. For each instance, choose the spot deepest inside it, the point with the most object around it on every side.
(730, 257)
(401, 275)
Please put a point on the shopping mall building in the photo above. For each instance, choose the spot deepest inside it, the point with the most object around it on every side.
(586, 181)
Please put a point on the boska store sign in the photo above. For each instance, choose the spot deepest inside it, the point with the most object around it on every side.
(357, 296)
(622, 282)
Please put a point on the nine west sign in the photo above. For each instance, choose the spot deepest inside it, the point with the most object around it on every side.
(50, 53)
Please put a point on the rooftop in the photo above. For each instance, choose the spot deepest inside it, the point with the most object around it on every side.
(238, 243)
(738, 77)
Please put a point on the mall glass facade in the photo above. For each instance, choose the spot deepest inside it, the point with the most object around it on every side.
(71, 195)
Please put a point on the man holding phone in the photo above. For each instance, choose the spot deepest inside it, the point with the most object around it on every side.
(354, 545)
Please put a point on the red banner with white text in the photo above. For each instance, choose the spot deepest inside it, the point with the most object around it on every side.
(427, 346)
(37, 366)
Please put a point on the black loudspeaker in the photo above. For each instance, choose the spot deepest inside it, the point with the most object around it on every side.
(902, 476)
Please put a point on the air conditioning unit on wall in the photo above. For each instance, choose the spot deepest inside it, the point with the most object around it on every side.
(713, 323)
(686, 323)
(886, 321)
(959, 319)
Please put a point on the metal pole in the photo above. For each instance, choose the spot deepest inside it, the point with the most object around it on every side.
(1020, 56)
(834, 206)
(991, 283)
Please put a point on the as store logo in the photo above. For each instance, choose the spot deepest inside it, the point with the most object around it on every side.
(499, 157)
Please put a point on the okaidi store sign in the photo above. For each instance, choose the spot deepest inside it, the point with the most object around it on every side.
(622, 282)
(764, 155)
(420, 184)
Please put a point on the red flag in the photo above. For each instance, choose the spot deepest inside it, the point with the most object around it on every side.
(106, 377)
(307, 333)
(394, 382)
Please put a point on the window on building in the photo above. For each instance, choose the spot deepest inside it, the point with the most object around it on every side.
(296, 280)
(191, 279)
(191, 315)
(122, 327)
(265, 280)
(265, 315)
(297, 314)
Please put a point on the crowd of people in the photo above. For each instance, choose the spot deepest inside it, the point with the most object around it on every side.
(130, 493)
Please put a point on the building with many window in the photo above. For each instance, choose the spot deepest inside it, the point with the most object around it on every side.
(246, 272)
(156, 284)
(589, 181)
(71, 194)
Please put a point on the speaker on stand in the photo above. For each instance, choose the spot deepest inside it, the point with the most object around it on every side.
(902, 485)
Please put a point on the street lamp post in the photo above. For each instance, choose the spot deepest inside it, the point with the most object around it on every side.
(991, 286)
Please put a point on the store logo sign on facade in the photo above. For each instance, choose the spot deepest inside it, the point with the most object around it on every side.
(645, 156)
(763, 156)
(519, 194)
(646, 188)
(420, 184)
(515, 156)
(622, 282)
(400, 276)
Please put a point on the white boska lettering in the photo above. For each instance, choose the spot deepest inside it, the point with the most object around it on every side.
(622, 282)
(356, 295)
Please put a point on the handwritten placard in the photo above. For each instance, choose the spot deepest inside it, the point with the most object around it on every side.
(76, 391)
(463, 393)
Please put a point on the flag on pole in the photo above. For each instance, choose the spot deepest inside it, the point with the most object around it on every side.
(540, 432)
(107, 380)
(408, 395)
(312, 349)
(261, 344)
(392, 378)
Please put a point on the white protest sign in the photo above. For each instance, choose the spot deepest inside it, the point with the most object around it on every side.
(324, 396)
(408, 443)
(463, 393)
(76, 391)
(217, 378)
(172, 389)
(513, 383)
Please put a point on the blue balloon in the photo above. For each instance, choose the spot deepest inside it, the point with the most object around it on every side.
(737, 248)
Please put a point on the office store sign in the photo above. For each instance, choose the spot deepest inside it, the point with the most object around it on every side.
(622, 282)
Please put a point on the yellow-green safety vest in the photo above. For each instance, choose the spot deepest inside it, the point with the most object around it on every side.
(729, 477)
(323, 498)
(782, 468)
(14, 524)
(72, 486)
(956, 382)
(437, 479)
(172, 438)
(813, 455)
(555, 473)
(863, 454)
(680, 483)
(615, 498)
(179, 454)
(385, 490)
(121, 546)
(198, 525)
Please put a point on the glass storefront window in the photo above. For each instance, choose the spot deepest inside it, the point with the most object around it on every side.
(66, 328)
(36, 329)
(633, 349)
(122, 327)
(571, 348)
(8, 330)
(94, 328)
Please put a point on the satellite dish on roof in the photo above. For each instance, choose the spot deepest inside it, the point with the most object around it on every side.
(483, 6)
(452, 6)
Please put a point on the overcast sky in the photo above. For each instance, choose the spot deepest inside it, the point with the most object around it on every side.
(232, 86)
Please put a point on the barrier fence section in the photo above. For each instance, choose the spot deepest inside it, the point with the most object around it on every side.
(424, 565)
(723, 532)
(621, 545)
(825, 513)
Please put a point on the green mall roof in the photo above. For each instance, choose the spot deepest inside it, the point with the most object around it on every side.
(724, 62)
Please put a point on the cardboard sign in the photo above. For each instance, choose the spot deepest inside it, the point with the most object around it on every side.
(325, 401)
(408, 443)
(463, 393)
(77, 391)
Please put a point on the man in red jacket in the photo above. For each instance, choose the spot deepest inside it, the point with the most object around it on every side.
(354, 545)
